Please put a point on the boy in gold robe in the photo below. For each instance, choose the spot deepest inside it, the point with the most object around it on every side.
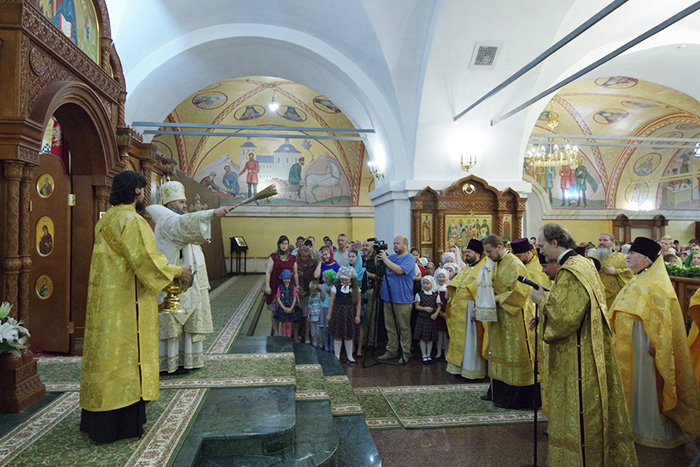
(652, 352)
(588, 423)
(120, 357)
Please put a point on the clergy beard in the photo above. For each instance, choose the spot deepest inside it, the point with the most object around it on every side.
(603, 252)
(140, 206)
(177, 210)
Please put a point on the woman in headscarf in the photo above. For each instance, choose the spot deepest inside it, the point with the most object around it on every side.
(327, 262)
(693, 259)
(277, 262)
(458, 256)
(306, 267)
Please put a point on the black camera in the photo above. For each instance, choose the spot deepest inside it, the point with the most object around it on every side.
(378, 245)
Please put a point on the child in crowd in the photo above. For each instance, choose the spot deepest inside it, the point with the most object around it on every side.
(287, 312)
(355, 261)
(428, 306)
(452, 270)
(441, 323)
(329, 278)
(344, 311)
(316, 298)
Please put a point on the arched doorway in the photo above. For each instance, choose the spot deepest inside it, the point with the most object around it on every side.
(59, 276)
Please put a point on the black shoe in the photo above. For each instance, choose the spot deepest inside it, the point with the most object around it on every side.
(180, 371)
(485, 397)
(545, 432)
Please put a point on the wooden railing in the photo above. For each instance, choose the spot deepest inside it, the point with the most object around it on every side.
(685, 288)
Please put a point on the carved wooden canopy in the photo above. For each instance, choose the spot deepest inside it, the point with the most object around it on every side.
(469, 208)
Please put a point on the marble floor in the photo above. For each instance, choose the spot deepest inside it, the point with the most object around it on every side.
(480, 445)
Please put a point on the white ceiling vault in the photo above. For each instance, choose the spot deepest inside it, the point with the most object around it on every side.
(400, 66)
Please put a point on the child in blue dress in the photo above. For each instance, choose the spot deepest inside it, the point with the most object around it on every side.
(287, 311)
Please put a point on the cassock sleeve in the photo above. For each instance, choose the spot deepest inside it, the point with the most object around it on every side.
(564, 307)
(188, 229)
(139, 248)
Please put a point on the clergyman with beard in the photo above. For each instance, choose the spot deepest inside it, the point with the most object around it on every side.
(120, 368)
(179, 235)
(614, 272)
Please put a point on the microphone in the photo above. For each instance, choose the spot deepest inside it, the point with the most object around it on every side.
(532, 284)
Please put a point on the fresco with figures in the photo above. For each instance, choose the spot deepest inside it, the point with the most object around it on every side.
(462, 228)
(610, 177)
(306, 170)
(77, 20)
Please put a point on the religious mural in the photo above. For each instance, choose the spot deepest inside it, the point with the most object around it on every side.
(306, 170)
(77, 20)
(44, 236)
(45, 185)
(43, 287)
(652, 176)
(462, 228)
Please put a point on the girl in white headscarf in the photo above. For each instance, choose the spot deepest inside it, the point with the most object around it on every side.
(443, 341)
(344, 311)
(428, 305)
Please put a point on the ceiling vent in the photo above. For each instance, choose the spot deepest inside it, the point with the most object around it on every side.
(485, 55)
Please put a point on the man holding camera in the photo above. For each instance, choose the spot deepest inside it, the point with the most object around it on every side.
(397, 293)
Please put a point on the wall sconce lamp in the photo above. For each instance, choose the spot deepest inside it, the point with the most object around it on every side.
(375, 170)
(469, 164)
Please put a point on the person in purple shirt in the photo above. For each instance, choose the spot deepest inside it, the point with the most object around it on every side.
(398, 299)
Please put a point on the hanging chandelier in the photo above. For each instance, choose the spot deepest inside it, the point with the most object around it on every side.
(552, 155)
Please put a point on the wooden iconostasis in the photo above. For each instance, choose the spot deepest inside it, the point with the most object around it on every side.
(469, 208)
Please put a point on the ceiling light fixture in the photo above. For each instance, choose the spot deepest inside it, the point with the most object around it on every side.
(274, 105)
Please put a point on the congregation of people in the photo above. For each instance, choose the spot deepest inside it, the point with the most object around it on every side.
(594, 335)
(618, 363)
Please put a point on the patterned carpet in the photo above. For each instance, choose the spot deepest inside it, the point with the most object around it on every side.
(52, 436)
(434, 407)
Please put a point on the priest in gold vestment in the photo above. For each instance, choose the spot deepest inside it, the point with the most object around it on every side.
(694, 335)
(120, 356)
(510, 363)
(522, 249)
(466, 334)
(613, 267)
(652, 353)
(588, 422)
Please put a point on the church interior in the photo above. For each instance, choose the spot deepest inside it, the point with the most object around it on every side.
(440, 120)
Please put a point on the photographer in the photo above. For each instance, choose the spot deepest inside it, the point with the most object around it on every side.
(397, 293)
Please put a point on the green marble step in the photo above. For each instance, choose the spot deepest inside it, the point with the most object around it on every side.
(240, 421)
(315, 443)
(356, 447)
(261, 344)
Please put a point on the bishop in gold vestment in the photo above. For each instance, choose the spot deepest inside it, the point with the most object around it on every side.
(120, 357)
(652, 352)
(510, 364)
(588, 422)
